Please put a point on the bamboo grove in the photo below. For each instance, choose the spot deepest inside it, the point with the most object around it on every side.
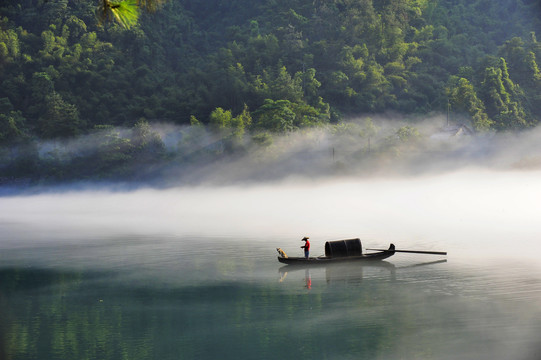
(71, 68)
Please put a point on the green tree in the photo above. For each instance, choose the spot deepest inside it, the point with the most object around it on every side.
(310, 86)
(12, 127)
(114, 154)
(61, 119)
(220, 119)
(464, 99)
(408, 134)
(275, 116)
(534, 75)
(240, 122)
(9, 46)
(502, 98)
(284, 87)
(147, 143)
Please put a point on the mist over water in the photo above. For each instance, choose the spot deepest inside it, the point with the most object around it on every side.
(476, 209)
(191, 270)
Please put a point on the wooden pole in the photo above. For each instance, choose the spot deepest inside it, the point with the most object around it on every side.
(414, 251)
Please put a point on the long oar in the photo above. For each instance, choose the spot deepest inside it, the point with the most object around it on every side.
(414, 251)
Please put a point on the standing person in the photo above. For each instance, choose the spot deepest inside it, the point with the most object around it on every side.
(306, 246)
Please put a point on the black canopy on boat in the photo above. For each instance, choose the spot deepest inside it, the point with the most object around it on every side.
(343, 248)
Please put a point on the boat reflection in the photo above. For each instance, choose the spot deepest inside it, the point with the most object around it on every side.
(346, 273)
(354, 275)
(349, 274)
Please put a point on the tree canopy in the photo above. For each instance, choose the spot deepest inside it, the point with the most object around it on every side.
(284, 65)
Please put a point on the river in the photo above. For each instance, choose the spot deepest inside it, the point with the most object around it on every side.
(191, 273)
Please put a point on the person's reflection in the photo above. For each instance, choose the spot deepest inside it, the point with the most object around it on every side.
(308, 279)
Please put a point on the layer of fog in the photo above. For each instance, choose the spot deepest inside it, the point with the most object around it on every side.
(474, 210)
(442, 188)
(364, 147)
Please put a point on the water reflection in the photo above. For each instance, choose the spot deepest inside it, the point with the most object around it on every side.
(351, 274)
(308, 279)
(162, 303)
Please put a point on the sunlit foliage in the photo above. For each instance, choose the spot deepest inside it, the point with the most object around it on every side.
(270, 66)
(126, 12)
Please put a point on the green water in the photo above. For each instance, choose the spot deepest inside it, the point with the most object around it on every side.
(224, 298)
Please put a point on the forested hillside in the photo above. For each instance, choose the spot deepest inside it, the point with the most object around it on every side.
(269, 66)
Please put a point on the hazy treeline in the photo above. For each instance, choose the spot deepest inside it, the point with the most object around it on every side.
(241, 71)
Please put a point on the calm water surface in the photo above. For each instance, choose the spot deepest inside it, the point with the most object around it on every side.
(182, 298)
(89, 277)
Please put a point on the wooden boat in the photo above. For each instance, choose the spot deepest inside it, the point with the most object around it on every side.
(321, 260)
(340, 251)
(349, 250)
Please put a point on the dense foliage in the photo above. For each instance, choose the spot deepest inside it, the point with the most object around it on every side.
(265, 66)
